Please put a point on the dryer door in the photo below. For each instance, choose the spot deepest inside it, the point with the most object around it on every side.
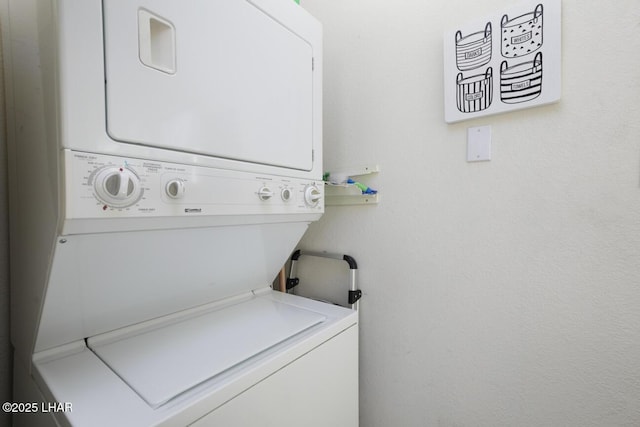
(219, 78)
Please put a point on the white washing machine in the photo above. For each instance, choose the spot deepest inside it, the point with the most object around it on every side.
(165, 159)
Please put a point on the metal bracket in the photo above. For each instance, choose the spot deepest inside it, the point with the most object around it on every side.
(354, 296)
(292, 282)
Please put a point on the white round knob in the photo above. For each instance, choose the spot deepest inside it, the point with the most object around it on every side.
(285, 194)
(312, 195)
(175, 188)
(117, 187)
(265, 193)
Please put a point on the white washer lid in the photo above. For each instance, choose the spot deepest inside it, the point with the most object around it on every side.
(161, 363)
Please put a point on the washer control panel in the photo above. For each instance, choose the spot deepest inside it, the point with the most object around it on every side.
(106, 186)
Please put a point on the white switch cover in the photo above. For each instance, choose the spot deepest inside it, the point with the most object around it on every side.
(479, 144)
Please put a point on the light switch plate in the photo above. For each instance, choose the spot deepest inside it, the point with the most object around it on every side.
(479, 144)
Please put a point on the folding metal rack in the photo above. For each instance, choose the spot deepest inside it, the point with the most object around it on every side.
(354, 293)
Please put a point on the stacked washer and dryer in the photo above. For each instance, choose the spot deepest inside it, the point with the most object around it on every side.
(165, 159)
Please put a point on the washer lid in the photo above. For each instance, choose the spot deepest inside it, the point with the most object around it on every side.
(161, 363)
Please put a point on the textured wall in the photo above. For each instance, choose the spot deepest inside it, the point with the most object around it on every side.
(502, 293)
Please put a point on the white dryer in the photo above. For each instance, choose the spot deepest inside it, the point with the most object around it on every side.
(165, 159)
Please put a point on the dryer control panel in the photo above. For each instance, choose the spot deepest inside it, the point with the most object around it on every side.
(101, 186)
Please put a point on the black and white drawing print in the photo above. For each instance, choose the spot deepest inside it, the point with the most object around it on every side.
(474, 93)
(473, 50)
(522, 35)
(521, 82)
(478, 53)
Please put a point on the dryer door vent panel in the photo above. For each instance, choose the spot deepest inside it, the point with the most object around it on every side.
(219, 78)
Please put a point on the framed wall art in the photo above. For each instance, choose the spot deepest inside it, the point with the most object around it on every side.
(507, 61)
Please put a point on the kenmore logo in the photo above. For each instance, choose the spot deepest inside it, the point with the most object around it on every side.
(194, 210)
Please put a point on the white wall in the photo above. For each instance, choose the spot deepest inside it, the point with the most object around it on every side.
(503, 293)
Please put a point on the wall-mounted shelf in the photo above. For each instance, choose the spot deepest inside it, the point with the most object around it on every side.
(350, 194)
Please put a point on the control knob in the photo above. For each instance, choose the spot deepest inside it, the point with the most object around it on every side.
(265, 193)
(117, 187)
(285, 194)
(175, 188)
(312, 195)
